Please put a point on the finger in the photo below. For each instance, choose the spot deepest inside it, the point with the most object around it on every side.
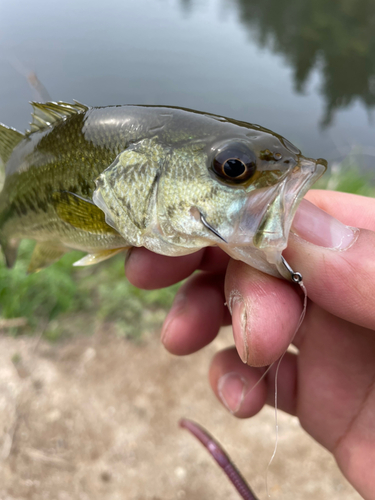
(196, 315)
(352, 209)
(337, 263)
(265, 313)
(238, 388)
(231, 380)
(149, 270)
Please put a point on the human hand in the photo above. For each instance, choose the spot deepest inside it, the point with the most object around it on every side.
(330, 384)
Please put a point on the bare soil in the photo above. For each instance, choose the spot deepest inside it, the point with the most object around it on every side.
(96, 417)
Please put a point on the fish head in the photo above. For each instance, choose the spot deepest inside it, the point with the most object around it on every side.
(238, 188)
(245, 197)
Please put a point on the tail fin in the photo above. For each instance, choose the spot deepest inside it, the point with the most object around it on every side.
(9, 138)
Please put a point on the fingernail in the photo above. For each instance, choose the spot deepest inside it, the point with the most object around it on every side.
(231, 388)
(177, 308)
(239, 319)
(319, 228)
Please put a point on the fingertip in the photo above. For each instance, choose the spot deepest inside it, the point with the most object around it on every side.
(244, 390)
(265, 313)
(235, 384)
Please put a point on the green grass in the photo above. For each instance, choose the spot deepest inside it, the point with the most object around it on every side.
(62, 299)
(43, 295)
(61, 291)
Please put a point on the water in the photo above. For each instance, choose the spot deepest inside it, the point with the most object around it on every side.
(305, 69)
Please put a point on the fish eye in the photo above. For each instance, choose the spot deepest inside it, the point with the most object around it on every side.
(235, 163)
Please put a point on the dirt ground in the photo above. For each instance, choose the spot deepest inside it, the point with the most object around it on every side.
(96, 418)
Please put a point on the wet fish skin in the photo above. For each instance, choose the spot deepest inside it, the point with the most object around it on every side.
(148, 169)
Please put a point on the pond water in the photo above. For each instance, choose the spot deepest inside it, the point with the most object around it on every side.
(305, 69)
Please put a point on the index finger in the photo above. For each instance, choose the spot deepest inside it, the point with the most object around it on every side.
(149, 270)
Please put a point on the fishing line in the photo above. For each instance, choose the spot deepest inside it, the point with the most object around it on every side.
(297, 278)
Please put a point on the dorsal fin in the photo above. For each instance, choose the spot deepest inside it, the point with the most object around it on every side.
(48, 113)
(9, 138)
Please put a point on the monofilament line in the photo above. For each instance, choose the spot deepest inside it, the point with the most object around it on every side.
(298, 279)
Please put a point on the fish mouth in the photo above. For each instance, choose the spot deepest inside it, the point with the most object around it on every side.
(263, 229)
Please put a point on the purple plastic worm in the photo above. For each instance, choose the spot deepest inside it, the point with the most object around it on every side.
(218, 453)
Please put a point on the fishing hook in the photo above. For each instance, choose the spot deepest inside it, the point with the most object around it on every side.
(296, 277)
(206, 224)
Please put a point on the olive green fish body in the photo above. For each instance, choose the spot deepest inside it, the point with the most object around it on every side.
(66, 157)
(169, 179)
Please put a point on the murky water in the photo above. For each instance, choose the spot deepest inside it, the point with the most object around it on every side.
(305, 69)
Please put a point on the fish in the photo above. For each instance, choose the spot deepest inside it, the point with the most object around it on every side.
(173, 180)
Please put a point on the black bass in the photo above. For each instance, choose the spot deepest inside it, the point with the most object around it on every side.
(169, 179)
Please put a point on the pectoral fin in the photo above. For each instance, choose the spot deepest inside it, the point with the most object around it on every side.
(43, 255)
(81, 213)
(94, 258)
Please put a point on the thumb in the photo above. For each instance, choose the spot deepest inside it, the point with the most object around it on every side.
(337, 263)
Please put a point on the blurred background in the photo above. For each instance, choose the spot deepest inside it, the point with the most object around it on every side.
(302, 68)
